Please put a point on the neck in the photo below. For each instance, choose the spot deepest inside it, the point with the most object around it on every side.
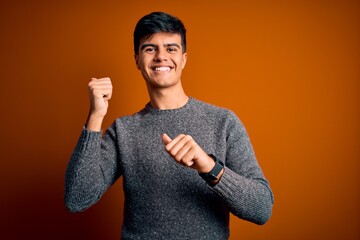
(164, 99)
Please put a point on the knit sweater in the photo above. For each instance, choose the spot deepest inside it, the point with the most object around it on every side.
(163, 199)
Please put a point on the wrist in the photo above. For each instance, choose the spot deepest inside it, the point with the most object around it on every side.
(214, 175)
(94, 122)
(210, 164)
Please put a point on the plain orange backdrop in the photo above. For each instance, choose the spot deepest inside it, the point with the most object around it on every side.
(289, 70)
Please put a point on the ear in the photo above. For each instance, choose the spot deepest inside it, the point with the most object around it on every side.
(137, 61)
(184, 56)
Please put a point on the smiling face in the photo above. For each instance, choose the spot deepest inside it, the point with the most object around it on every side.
(161, 60)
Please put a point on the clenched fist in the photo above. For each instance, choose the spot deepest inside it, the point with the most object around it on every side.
(187, 152)
(100, 91)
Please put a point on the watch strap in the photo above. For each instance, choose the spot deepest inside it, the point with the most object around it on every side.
(212, 175)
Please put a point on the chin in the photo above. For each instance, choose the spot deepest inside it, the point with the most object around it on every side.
(161, 83)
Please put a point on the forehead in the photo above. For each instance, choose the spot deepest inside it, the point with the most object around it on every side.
(161, 38)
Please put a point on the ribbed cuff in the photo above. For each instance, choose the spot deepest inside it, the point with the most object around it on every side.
(88, 141)
(226, 186)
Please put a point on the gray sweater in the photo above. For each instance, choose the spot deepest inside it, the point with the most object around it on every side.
(163, 199)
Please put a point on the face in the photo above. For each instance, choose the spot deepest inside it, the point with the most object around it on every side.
(161, 60)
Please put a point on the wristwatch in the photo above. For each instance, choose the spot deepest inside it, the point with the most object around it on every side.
(212, 175)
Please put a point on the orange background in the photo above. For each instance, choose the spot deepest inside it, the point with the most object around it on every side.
(289, 69)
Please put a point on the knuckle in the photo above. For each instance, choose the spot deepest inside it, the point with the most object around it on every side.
(172, 152)
(185, 160)
(188, 137)
(181, 135)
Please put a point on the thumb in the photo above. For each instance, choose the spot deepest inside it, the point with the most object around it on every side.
(165, 138)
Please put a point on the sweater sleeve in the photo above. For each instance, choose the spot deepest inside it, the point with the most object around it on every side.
(243, 186)
(92, 169)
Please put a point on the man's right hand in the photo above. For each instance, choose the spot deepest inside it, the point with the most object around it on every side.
(100, 91)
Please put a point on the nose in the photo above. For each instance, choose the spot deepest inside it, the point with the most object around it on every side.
(161, 55)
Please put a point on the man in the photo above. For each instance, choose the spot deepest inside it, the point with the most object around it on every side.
(185, 164)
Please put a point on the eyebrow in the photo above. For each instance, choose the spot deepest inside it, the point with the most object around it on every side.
(165, 45)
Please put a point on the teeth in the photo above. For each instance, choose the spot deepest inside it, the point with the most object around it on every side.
(162, 69)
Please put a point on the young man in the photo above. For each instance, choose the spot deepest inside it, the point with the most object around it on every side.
(185, 164)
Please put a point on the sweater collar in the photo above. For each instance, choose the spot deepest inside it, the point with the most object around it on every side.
(149, 108)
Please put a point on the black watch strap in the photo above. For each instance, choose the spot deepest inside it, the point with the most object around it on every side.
(212, 175)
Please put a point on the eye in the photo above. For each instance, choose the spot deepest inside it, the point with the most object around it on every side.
(172, 49)
(149, 49)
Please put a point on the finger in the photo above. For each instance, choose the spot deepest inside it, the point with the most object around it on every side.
(185, 142)
(101, 88)
(107, 95)
(96, 84)
(174, 146)
(188, 158)
(102, 93)
(165, 138)
(179, 156)
(174, 141)
(188, 163)
(99, 81)
(187, 154)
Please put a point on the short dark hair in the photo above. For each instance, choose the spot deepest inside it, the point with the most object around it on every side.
(158, 22)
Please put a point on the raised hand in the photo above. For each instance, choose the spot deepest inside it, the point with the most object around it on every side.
(100, 92)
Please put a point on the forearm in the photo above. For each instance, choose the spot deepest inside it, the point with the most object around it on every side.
(84, 183)
(94, 122)
(243, 186)
(249, 199)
